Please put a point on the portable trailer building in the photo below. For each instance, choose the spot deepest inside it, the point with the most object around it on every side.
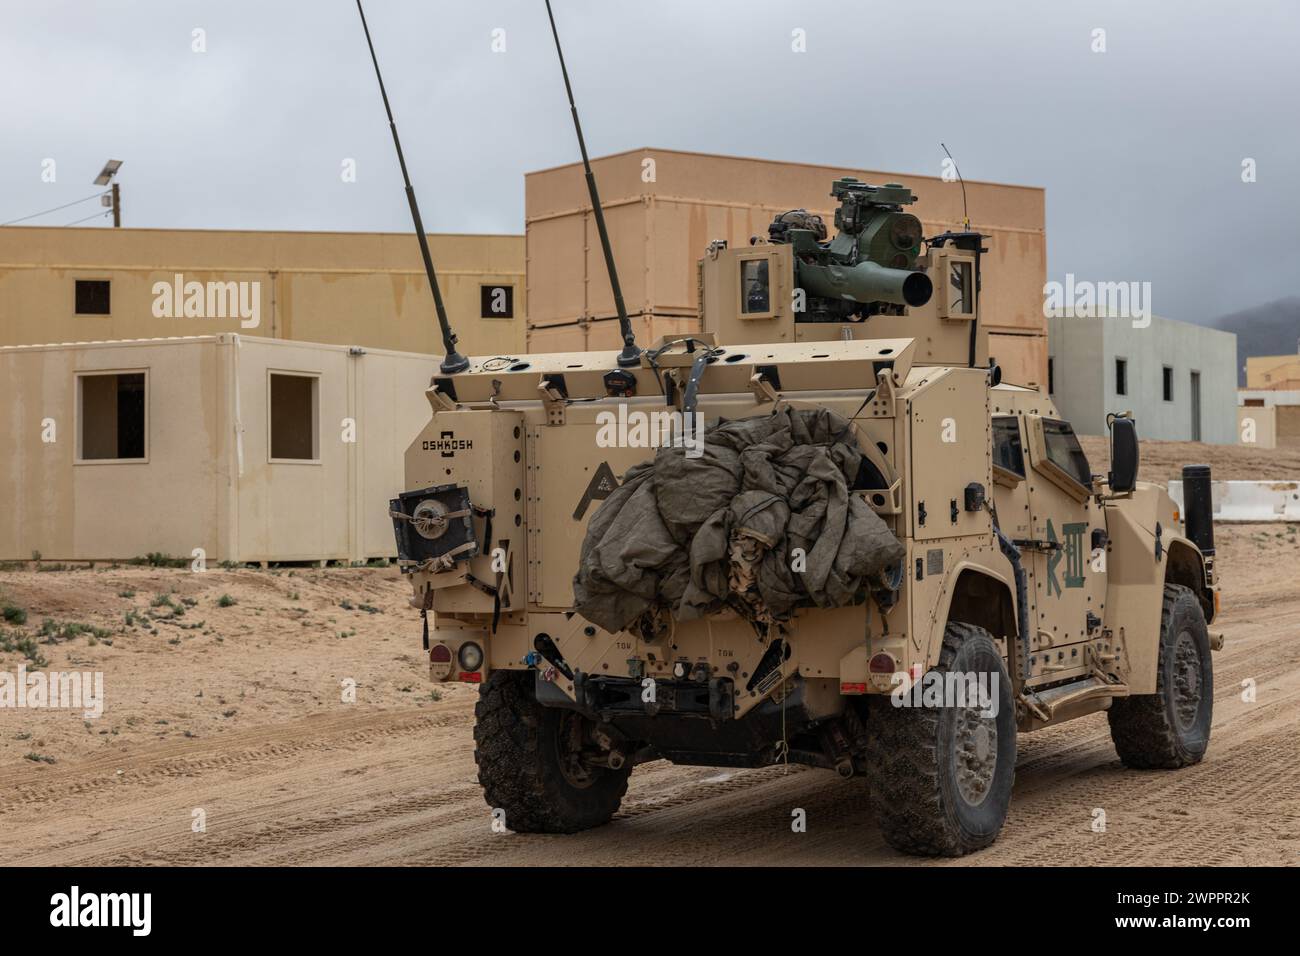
(250, 449)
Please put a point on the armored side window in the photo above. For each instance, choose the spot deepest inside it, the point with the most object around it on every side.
(961, 296)
(1008, 451)
(1064, 451)
(755, 293)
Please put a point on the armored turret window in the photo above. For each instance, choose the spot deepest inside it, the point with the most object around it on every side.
(92, 296)
(1064, 451)
(111, 416)
(961, 296)
(496, 301)
(1008, 450)
(755, 293)
(294, 417)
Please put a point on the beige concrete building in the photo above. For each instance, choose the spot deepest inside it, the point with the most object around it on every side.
(1273, 372)
(1269, 406)
(663, 207)
(365, 289)
(249, 448)
(1257, 425)
(1269, 417)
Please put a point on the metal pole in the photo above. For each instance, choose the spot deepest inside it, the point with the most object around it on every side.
(117, 208)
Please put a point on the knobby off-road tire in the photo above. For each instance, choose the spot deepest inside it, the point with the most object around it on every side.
(940, 777)
(1171, 728)
(517, 746)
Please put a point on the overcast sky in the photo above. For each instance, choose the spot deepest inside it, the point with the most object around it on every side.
(1140, 148)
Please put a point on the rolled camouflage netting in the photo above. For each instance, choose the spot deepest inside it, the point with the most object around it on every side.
(692, 535)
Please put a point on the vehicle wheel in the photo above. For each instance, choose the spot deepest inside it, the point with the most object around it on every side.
(529, 762)
(941, 776)
(1171, 728)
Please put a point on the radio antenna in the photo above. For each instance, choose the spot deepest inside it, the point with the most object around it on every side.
(631, 355)
(452, 361)
(965, 216)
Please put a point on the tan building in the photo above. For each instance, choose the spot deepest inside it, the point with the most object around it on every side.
(1273, 372)
(663, 207)
(1269, 417)
(248, 448)
(365, 289)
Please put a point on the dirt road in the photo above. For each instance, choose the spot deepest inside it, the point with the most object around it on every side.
(234, 709)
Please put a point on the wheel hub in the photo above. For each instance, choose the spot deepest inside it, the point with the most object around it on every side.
(977, 754)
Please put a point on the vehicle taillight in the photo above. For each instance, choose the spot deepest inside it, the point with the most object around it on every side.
(882, 664)
(439, 661)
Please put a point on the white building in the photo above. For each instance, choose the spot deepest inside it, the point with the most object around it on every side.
(1178, 379)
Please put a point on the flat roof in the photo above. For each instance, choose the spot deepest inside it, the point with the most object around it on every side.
(773, 162)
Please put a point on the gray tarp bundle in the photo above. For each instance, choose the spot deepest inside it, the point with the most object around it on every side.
(695, 534)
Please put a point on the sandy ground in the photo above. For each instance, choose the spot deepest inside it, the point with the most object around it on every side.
(1161, 461)
(237, 711)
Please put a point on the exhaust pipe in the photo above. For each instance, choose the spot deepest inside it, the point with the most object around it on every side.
(1198, 508)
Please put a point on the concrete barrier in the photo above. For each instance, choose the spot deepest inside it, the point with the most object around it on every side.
(1249, 500)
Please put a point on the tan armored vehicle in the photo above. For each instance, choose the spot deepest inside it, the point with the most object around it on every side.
(821, 532)
(1059, 591)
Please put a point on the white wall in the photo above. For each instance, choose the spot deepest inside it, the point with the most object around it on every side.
(1085, 347)
(1077, 376)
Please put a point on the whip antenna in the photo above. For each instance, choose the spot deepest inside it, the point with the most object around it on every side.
(452, 361)
(631, 355)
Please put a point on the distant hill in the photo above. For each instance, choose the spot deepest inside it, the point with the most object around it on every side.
(1269, 329)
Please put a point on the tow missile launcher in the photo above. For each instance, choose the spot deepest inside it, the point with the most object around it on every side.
(868, 268)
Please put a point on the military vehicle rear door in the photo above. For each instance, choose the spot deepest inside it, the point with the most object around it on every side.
(1065, 521)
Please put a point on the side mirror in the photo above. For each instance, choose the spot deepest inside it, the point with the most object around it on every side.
(1123, 454)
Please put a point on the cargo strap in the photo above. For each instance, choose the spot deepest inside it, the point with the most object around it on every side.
(464, 512)
(487, 514)
(493, 592)
(446, 561)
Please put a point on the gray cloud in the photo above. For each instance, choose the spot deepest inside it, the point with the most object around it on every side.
(1140, 148)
